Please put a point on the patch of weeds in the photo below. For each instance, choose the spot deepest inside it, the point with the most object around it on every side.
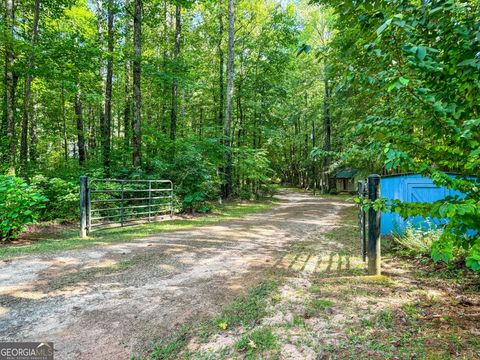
(358, 339)
(256, 342)
(416, 242)
(297, 321)
(275, 298)
(169, 350)
(378, 345)
(245, 311)
(250, 309)
(474, 341)
(305, 341)
(314, 307)
(455, 342)
(385, 318)
(205, 330)
(407, 338)
(447, 319)
(412, 309)
(315, 289)
(211, 355)
(89, 273)
(367, 323)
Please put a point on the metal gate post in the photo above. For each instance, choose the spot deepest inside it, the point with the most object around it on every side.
(362, 192)
(171, 199)
(149, 200)
(373, 245)
(89, 208)
(122, 205)
(83, 206)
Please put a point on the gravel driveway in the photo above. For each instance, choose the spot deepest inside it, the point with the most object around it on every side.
(107, 302)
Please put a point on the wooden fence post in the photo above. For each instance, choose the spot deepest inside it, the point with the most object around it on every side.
(373, 245)
(83, 206)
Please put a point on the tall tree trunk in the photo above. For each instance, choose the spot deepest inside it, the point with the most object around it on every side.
(9, 142)
(64, 121)
(314, 164)
(241, 129)
(33, 138)
(227, 190)
(80, 127)
(137, 91)
(92, 129)
(176, 54)
(107, 116)
(28, 82)
(221, 56)
(127, 110)
(166, 87)
(327, 135)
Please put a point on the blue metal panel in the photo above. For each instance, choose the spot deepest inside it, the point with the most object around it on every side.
(410, 188)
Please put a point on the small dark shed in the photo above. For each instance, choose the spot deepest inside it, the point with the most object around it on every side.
(345, 180)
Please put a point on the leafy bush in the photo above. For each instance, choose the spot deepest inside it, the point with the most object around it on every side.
(195, 202)
(63, 197)
(417, 241)
(253, 173)
(19, 206)
(194, 172)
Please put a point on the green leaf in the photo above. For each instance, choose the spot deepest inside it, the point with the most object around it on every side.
(382, 27)
(421, 52)
(403, 80)
(469, 62)
(473, 258)
(442, 249)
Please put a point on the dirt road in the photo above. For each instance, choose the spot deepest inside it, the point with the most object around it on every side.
(110, 301)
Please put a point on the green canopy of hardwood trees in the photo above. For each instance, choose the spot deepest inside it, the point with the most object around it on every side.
(160, 88)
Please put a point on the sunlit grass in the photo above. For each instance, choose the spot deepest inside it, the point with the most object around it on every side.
(70, 239)
(244, 311)
(255, 342)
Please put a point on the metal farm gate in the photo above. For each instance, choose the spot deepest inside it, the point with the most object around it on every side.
(362, 218)
(104, 202)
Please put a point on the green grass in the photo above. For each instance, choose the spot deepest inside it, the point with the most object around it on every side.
(297, 321)
(69, 239)
(245, 311)
(314, 307)
(169, 350)
(257, 341)
(412, 309)
(385, 318)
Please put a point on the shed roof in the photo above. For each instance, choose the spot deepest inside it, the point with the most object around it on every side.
(346, 173)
